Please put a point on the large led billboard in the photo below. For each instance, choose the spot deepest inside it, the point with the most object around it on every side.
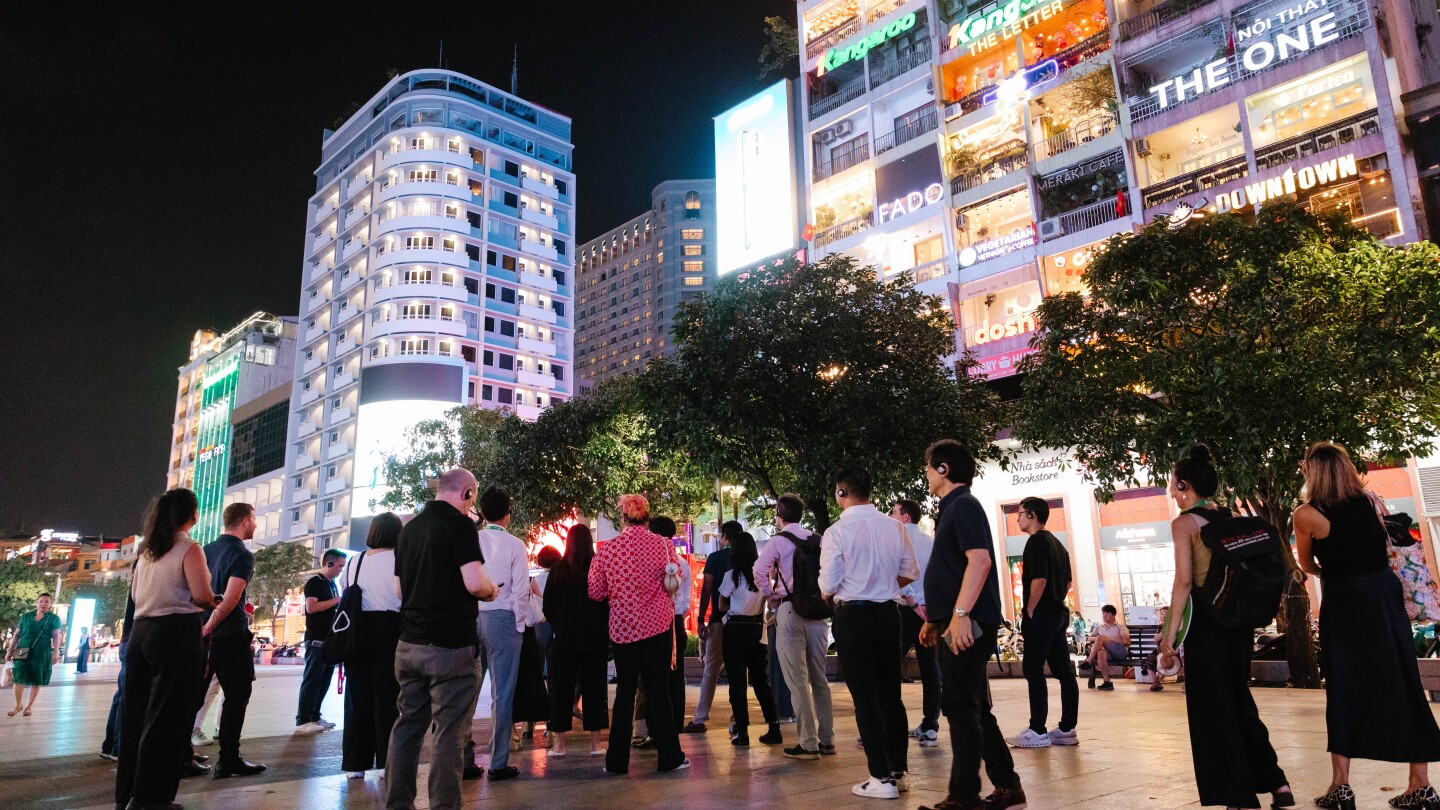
(755, 179)
(380, 434)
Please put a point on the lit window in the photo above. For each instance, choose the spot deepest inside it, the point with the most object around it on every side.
(693, 250)
(693, 266)
(692, 233)
(694, 281)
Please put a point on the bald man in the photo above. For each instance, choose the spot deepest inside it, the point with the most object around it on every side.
(439, 576)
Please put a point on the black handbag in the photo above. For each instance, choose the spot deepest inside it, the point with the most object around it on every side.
(343, 645)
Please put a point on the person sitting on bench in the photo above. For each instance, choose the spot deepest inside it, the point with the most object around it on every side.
(1110, 641)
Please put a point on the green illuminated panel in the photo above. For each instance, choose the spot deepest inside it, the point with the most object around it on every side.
(212, 454)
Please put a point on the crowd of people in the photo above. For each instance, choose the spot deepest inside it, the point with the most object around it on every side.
(443, 603)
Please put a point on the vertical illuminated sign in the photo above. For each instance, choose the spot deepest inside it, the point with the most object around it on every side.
(212, 444)
(82, 615)
(755, 180)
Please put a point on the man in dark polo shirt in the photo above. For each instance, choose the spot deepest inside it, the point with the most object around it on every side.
(962, 601)
(321, 597)
(227, 628)
(438, 576)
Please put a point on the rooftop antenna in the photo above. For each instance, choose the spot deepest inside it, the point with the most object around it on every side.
(515, 72)
(441, 63)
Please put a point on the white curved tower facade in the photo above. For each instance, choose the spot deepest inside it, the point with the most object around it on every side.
(438, 270)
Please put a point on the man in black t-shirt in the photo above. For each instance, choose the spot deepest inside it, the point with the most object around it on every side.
(321, 597)
(1045, 579)
(962, 603)
(438, 576)
(232, 566)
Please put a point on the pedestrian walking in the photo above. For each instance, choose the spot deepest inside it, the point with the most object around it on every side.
(164, 659)
(439, 576)
(865, 559)
(912, 618)
(1375, 705)
(370, 686)
(500, 628)
(1044, 582)
(321, 597)
(1230, 745)
(582, 641)
(630, 572)
(744, 653)
(110, 746)
(82, 654)
(962, 598)
(712, 629)
(35, 650)
(800, 643)
(227, 631)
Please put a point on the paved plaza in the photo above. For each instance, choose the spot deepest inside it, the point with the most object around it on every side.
(1134, 753)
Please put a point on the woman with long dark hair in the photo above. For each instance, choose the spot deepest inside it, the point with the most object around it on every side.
(579, 644)
(163, 657)
(1234, 760)
(371, 690)
(1375, 706)
(744, 654)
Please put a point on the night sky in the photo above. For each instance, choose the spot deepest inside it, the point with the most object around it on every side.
(157, 164)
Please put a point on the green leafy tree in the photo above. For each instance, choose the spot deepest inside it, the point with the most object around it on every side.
(110, 598)
(480, 440)
(20, 585)
(1256, 337)
(279, 569)
(781, 53)
(787, 373)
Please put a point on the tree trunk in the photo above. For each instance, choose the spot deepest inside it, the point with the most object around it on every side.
(820, 510)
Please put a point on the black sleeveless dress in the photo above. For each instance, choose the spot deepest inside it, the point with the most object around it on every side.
(1375, 707)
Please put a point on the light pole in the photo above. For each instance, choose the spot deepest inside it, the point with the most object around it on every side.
(58, 583)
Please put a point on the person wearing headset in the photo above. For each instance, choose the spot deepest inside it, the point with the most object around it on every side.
(439, 575)
(865, 559)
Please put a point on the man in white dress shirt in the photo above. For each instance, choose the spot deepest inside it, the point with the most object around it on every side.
(865, 560)
(912, 619)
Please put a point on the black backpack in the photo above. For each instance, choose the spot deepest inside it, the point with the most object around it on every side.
(805, 590)
(343, 645)
(1247, 572)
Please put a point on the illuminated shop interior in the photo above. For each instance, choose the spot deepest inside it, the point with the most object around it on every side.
(1051, 31)
(1001, 320)
(1368, 202)
(1065, 272)
(921, 245)
(839, 17)
(994, 218)
(847, 198)
(1193, 145)
(1074, 113)
(1312, 102)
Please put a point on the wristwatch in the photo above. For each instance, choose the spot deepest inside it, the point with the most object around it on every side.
(961, 612)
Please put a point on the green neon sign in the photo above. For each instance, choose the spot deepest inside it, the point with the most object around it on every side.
(835, 57)
(212, 445)
(978, 25)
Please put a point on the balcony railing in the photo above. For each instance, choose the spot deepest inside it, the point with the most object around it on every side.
(848, 159)
(929, 271)
(881, 9)
(1066, 59)
(1096, 213)
(845, 229)
(1097, 126)
(844, 95)
(904, 63)
(822, 43)
(1158, 16)
(1382, 224)
(908, 132)
(1187, 184)
(1301, 146)
(996, 167)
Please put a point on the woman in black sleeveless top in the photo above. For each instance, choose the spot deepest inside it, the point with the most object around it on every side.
(1375, 707)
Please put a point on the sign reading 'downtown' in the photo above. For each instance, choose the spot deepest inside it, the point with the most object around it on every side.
(908, 184)
(1271, 34)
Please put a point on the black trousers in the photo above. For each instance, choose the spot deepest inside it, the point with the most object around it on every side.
(677, 675)
(867, 639)
(745, 660)
(1234, 760)
(587, 671)
(974, 734)
(646, 660)
(234, 665)
(928, 660)
(1044, 635)
(371, 694)
(163, 663)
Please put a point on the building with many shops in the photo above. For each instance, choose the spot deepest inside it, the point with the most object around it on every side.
(438, 266)
(633, 276)
(984, 149)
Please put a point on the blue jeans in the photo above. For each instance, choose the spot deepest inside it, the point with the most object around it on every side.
(783, 705)
(500, 656)
(111, 745)
(313, 684)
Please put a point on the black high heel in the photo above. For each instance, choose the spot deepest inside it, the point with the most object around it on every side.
(1341, 797)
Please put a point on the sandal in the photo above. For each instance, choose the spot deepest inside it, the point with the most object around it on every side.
(27, 712)
(13, 712)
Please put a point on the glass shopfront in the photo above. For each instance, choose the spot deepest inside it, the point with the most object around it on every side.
(1328, 96)
(1136, 546)
(1065, 272)
(1015, 540)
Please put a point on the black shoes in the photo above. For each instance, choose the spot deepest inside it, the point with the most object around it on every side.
(1284, 798)
(741, 740)
(193, 768)
(827, 750)
(1105, 687)
(772, 737)
(1424, 797)
(1341, 797)
(800, 752)
(239, 767)
(693, 728)
(501, 774)
(200, 758)
(642, 743)
(472, 771)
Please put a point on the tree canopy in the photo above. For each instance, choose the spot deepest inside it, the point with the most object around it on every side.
(20, 585)
(278, 569)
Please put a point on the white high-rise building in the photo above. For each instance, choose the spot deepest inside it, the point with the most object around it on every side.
(438, 270)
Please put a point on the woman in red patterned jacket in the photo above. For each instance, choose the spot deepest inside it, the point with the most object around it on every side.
(629, 572)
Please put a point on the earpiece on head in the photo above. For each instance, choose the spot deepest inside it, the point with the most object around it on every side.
(1181, 486)
(943, 469)
(840, 493)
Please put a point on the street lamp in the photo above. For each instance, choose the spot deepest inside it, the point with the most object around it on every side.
(734, 491)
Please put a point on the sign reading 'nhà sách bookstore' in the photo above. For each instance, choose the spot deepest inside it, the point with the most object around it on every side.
(1275, 33)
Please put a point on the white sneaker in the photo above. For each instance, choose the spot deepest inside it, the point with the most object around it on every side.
(198, 739)
(877, 789)
(310, 728)
(326, 723)
(355, 774)
(929, 739)
(1029, 739)
(1059, 737)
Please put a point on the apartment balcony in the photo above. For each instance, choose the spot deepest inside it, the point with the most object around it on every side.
(420, 326)
(540, 187)
(337, 450)
(430, 256)
(321, 327)
(992, 169)
(304, 460)
(537, 281)
(535, 346)
(903, 135)
(318, 243)
(836, 100)
(336, 484)
(299, 529)
(534, 313)
(844, 230)
(904, 63)
(844, 161)
(303, 494)
(349, 278)
(317, 302)
(833, 37)
(542, 249)
(334, 520)
(307, 428)
(312, 364)
(310, 396)
(344, 345)
(541, 218)
(351, 248)
(437, 155)
(428, 188)
(338, 415)
(433, 220)
(1091, 129)
(343, 379)
(534, 379)
(1083, 218)
(356, 186)
(402, 290)
(929, 271)
(1147, 21)
(528, 412)
(320, 270)
(1186, 184)
(326, 208)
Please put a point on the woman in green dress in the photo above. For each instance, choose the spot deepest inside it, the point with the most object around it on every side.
(37, 643)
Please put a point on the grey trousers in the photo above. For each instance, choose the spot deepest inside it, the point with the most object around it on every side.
(801, 643)
(712, 663)
(437, 686)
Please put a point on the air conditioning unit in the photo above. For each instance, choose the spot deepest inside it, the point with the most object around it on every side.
(1429, 490)
(1142, 147)
(953, 111)
(1051, 228)
(835, 133)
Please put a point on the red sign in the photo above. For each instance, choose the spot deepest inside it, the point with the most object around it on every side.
(1000, 365)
